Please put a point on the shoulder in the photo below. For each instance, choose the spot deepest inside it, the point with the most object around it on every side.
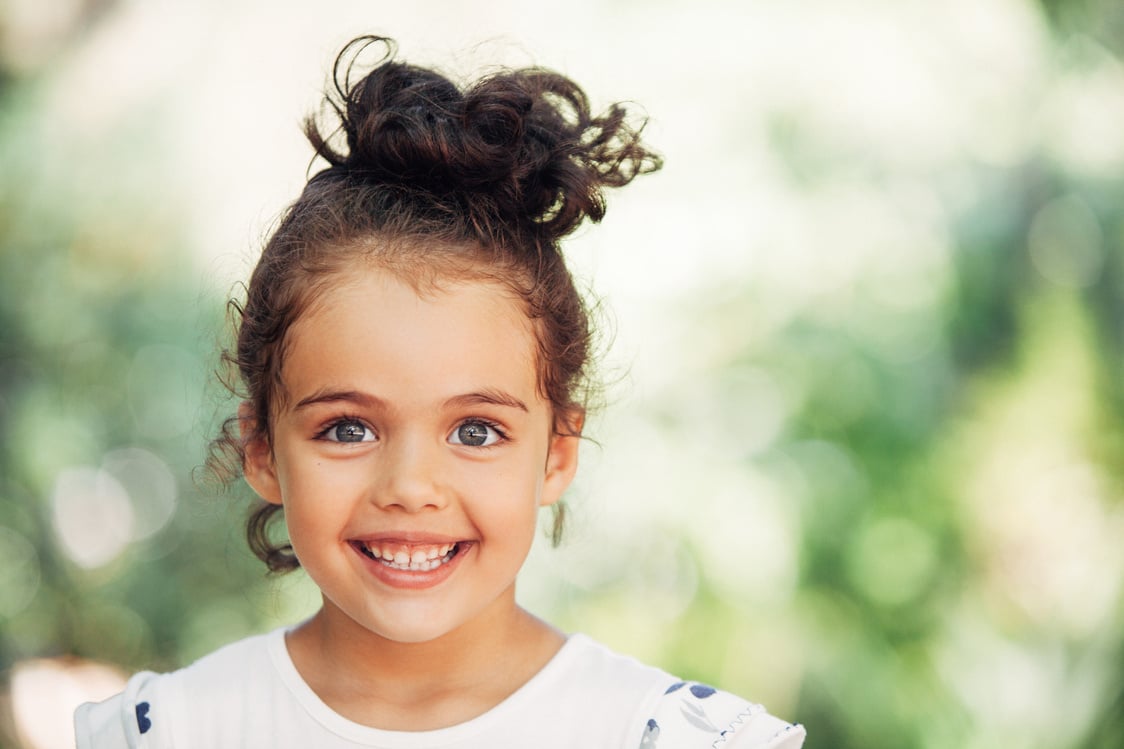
(665, 712)
(591, 662)
(597, 683)
(119, 721)
(690, 714)
(158, 710)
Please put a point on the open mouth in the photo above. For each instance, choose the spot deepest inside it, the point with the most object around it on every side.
(412, 558)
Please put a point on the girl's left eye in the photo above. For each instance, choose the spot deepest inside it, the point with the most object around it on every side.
(475, 434)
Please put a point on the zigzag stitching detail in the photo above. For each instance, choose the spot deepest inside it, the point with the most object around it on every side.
(738, 721)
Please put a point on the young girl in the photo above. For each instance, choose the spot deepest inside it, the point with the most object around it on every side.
(414, 353)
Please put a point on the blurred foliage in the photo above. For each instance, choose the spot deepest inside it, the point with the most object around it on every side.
(893, 552)
(106, 350)
(951, 445)
(1101, 19)
(945, 560)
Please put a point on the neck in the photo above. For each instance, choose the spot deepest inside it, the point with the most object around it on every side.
(416, 686)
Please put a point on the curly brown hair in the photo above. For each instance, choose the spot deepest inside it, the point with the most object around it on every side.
(434, 181)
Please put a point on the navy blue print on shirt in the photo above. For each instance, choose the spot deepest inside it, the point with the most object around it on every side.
(702, 691)
(143, 723)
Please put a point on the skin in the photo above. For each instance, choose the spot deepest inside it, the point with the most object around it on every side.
(403, 373)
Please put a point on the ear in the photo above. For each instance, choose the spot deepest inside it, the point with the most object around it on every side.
(562, 457)
(258, 466)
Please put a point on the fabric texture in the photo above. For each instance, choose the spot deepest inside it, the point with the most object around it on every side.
(249, 694)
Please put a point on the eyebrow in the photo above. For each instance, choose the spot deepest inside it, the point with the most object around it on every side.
(487, 396)
(335, 396)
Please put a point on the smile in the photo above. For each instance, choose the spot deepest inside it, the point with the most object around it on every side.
(412, 558)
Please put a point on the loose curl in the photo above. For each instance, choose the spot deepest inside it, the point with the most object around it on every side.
(432, 181)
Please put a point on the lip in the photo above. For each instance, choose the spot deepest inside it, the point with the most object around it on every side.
(411, 579)
(407, 538)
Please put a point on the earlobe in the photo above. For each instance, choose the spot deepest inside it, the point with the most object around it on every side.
(258, 466)
(562, 460)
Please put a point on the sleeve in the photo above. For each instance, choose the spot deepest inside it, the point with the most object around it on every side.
(124, 720)
(690, 714)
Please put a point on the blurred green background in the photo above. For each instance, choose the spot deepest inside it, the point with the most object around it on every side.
(865, 456)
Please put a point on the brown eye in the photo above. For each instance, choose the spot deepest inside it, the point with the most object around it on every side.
(475, 434)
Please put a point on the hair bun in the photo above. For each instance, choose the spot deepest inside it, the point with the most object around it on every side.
(518, 151)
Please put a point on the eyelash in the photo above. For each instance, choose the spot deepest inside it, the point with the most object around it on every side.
(486, 422)
(323, 433)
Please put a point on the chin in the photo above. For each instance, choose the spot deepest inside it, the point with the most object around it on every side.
(416, 634)
(413, 623)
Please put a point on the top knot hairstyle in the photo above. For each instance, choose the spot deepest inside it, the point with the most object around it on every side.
(517, 153)
(431, 181)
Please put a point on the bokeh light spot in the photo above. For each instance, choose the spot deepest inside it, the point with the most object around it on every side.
(150, 484)
(1066, 243)
(45, 692)
(892, 560)
(92, 516)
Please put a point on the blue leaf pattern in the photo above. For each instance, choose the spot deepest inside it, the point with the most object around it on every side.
(693, 709)
(693, 713)
(143, 721)
(702, 691)
(700, 723)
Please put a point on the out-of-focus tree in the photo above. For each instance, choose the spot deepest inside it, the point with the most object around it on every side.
(109, 550)
(950, 425)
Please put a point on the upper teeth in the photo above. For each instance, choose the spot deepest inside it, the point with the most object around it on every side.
(411, 558)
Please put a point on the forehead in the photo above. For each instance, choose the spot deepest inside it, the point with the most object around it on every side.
(371, 329)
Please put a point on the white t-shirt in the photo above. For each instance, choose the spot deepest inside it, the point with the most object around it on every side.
(249, 694)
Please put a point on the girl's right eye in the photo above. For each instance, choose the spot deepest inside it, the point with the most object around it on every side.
(349, 430)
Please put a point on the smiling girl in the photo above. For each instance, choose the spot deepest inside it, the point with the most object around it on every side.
(414, 356)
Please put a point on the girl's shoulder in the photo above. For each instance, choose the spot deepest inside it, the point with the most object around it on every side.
(158, 710)
(691, 714)
(666, 712)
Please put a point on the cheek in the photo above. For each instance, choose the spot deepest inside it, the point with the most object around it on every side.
(301, 476)
(519, 476)
(315, 495)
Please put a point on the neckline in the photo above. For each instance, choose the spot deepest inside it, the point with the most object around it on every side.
(371, 736)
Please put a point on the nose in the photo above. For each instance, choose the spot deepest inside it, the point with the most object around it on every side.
(409, 475)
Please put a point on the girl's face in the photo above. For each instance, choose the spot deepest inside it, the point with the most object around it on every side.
(411, 452)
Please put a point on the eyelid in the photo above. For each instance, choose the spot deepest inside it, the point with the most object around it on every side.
(327, 430)
(501, 432)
